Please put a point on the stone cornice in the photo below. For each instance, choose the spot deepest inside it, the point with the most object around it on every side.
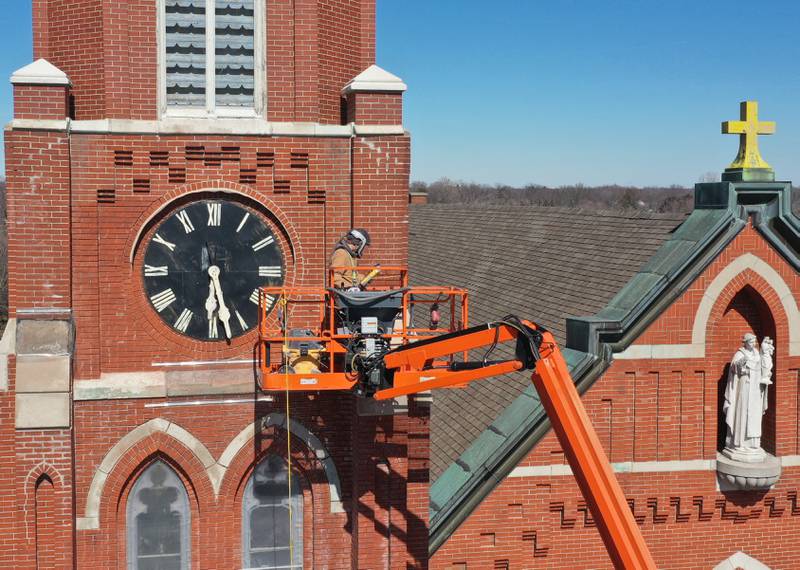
(200, 126)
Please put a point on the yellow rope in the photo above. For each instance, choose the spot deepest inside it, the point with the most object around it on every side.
(285, 306)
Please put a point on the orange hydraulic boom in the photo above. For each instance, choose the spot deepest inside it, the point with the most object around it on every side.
(537, 349)
(366, 343)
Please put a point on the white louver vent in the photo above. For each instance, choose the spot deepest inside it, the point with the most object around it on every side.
(185, 53)
(234, 46)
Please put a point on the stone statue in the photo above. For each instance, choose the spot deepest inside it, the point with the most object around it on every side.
(746, 399)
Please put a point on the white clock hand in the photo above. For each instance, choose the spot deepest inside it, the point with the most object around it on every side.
(224, 314)
(211, 301)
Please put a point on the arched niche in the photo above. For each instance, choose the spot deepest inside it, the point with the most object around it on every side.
(746, 311)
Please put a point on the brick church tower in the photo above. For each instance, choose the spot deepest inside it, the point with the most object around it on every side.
(151, 138)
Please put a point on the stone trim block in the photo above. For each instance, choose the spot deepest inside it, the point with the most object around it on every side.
(37, 373)
(43, 411)
(51, 337)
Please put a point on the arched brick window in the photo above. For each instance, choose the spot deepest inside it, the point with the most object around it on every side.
(272, 518)
(158, 521)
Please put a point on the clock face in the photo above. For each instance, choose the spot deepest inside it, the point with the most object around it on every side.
(204, 265)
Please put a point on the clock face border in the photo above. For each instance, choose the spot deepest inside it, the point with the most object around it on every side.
(191, 216)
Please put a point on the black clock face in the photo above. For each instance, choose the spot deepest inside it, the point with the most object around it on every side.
(204, 265)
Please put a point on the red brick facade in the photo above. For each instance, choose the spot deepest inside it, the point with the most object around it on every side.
(661, 410)
(83, 200)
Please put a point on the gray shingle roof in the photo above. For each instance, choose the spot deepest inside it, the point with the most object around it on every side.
(543, 264)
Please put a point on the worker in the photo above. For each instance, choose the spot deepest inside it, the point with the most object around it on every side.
(345, 255)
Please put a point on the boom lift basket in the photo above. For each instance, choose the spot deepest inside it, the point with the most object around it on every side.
(331, 339)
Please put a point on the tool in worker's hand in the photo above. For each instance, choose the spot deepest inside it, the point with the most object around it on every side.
(370, 276)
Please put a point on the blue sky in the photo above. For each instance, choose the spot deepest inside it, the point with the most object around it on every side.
(527, 91)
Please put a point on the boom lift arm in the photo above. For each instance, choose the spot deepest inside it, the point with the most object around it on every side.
(414, 371)
(365, 342)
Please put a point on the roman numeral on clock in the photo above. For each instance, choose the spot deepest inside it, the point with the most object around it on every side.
(269, 271)
(169, 245)
(214, 213)
(163, 300)
(263, 243)
(156, 270)
(242, 322)
(243, 222)
(183, 218)
(182, 323)
(268, 299)
(213, 332)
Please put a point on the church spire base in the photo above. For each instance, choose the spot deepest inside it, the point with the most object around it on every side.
(748, 175)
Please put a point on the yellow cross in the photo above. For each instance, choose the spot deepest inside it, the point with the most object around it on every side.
(748, 129)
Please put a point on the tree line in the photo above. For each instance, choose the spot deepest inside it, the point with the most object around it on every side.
(659, 199)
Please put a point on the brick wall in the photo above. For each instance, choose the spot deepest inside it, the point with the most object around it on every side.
(40, 102)
(38, 198)
(661, 410)
(313, 191)
(8, 496)
(375, 108)
(81, 206)
(69, 34)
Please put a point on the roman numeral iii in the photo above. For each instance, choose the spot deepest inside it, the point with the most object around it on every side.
(269, 271)
(163, 300)
(268, 299)
(156, 270)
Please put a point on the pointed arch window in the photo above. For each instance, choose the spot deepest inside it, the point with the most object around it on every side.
(272, 518)
(212, 57)
(158, 521)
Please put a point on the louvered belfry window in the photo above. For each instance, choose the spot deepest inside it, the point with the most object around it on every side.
(186, 53)
(234, 53)
(210, 54)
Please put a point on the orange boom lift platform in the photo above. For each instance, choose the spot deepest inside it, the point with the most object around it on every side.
(367, 341)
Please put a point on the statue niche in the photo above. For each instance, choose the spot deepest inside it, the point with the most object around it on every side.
(746, 399)
(746, 458)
